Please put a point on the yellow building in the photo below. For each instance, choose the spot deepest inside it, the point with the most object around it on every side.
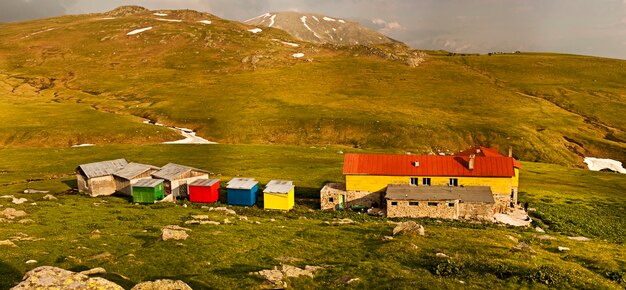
(279, 194)
(477, 166)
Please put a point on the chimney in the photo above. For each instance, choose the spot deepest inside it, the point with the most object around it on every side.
(472, 159)
(510, 151)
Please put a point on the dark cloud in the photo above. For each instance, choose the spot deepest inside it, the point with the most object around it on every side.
(16, 10)
(571, 26)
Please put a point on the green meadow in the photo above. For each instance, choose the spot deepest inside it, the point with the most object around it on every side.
(128, 243)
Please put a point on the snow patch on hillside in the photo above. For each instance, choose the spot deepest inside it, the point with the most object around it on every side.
(315, 18)
(159, 14)
(341, 21)
(205, 21)
(303, 19)
(106, 18)
(170, 20)
(272, 20)
(136, 31)
(41, 31)
(597, 164)
(262, 15)
(298, 55)
(83, 145)
(190, 135)
(255, 30)
(329, 19)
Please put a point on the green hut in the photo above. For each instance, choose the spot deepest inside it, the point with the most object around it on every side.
(148, 190)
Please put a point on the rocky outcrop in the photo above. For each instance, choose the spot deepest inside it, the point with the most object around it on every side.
(162, 285)
(410, 228)
(124, 11)
(47, 277)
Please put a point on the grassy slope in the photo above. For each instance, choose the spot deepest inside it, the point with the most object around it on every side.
(221, 256)
(193, 75)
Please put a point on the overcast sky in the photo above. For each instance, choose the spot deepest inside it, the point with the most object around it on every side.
(590, 27)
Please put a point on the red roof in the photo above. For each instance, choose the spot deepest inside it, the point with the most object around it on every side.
(403, 165)
(487, 152)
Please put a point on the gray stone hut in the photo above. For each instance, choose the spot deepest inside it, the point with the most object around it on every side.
(177, 177)
(97, 178)
(449, 202)
(130, 174)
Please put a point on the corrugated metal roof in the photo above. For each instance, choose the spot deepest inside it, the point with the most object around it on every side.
(102, 168)
(204, 182)
(434, 193)
(171, 170)
(486, 152)
(404, 165)
(279, 186)
(148, 182)
(133, 169)
(242, 183)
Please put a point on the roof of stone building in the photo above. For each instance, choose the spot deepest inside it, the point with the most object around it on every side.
(102, 168)
(171, 171)
(439, 193)
(133, 169)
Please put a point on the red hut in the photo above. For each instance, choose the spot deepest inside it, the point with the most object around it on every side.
(204, 190)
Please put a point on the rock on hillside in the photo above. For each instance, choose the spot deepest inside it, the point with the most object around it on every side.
(318, 28)
(124, 11)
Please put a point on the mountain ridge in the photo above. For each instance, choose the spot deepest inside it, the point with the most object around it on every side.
(318, 28)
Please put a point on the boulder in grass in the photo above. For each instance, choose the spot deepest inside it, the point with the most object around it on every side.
(47, 277)
(163, 284)
(410, 227)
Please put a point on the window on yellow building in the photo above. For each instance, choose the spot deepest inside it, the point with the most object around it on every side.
(450, 204)
(414, 181)
(414, 203)
(433, 203)
(330, 199)
(426, 181)
(454, 182)
(394, 203)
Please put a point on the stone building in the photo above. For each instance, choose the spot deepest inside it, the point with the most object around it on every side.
(96, 178)
(448, 202)
(335, 196)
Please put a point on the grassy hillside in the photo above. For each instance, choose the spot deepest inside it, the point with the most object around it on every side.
(481, 255)
(235, 86)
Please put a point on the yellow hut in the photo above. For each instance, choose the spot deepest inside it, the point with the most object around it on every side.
(279, 194)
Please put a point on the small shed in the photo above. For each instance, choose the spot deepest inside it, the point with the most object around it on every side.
(176, 177)
(96, 178)
(242, 191)
(204, 190)
(130, 174)
(148, 190)
(279, 194)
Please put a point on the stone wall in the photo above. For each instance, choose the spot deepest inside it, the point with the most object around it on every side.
(422, 209)
(330, 197)
(104, 185)
(503, 202)
(83, 186)
(476, 211)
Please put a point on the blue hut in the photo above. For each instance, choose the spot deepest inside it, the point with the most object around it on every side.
(242, 191)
